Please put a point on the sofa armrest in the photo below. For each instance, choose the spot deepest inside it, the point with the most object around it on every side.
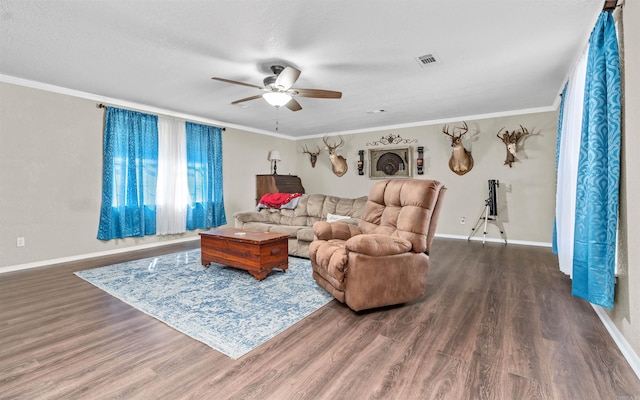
(335, 230)
(378, 245)
(251, 216)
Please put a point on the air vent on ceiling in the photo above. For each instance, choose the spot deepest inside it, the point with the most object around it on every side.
(427, 59)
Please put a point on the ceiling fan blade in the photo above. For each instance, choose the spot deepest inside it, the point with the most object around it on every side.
(318, 93)
(236, 82)
(287, 78)
(247, 99)
(293, 105)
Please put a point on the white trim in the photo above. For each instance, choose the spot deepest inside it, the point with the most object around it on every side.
(495, 240)
(624, 346)
(45, 263)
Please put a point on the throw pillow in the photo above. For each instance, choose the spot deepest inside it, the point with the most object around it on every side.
(336, 217)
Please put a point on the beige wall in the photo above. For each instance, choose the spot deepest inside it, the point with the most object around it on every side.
(526, 195)
(626, 312)
(50, 175)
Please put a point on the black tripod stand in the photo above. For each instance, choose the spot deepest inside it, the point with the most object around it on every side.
(489, 213)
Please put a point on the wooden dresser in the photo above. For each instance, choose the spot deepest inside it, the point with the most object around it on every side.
(277, 184)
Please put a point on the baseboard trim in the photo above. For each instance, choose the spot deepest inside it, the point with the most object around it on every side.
(81, 257)
(495, 240)
(624, 346)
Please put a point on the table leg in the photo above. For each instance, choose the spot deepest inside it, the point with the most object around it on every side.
(259, 275)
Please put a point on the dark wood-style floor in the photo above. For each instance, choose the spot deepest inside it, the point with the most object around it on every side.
(495, 323)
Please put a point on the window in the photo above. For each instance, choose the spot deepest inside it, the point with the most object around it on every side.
(190, 191)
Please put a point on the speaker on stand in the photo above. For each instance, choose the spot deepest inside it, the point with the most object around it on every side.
(490, 213)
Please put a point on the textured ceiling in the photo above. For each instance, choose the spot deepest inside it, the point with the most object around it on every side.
(495, 56)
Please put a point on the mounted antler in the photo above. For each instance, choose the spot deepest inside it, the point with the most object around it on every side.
(313, 155)
(511, 140)
(461, 161)
(338, 163)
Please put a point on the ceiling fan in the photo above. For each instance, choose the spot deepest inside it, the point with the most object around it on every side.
(279, 91)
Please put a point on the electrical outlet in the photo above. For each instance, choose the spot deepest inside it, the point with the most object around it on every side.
(20, 242)
(462, 220)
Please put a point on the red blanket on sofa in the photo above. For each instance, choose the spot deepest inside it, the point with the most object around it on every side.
(276, 200)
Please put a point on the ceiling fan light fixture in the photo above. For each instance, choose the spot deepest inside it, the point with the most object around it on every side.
(277, 99)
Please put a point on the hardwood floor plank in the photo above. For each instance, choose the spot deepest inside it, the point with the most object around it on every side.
(569, 373)
(332, 359)
(463, 331)
(525, 353)
(485, 367)
(441, 377)
(521, 388)
(610, 380)
(374, 371)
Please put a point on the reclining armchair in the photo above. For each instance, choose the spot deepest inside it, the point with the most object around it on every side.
(384, 259)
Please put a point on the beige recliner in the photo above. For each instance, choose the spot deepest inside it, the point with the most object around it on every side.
(385, 258)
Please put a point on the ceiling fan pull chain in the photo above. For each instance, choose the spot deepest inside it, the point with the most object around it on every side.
(277, 114)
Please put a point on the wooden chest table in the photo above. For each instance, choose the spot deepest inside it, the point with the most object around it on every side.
(253, 251)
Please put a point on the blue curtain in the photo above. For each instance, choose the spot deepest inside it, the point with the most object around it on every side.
(129, 174)
(204, 175)
(598, 170)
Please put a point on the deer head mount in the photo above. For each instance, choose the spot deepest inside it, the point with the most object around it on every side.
(461, 161)
(313, 155)
(338, 163)
(510, 141)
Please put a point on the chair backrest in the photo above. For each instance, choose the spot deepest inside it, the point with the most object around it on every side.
(407, 208)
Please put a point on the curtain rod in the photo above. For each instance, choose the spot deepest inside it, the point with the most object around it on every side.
(101, 105)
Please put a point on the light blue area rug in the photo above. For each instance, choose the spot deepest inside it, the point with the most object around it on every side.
(223, 307)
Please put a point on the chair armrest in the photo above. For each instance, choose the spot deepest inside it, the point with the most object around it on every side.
(335, 230)
(251, 216)
(378, 245)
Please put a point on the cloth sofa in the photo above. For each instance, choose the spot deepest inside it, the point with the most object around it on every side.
(298, 222)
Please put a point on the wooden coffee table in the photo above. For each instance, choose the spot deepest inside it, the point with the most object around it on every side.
(253, 251)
